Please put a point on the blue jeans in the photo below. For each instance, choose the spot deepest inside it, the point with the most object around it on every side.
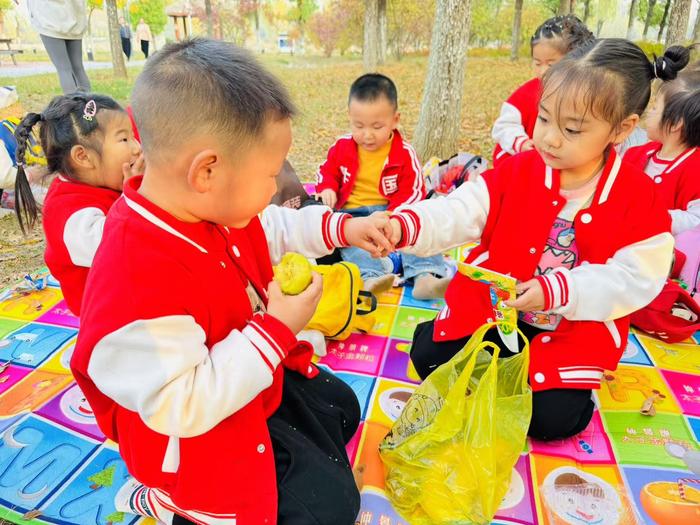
(370, 267)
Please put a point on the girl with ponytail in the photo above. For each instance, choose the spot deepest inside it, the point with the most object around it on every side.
(90, 148)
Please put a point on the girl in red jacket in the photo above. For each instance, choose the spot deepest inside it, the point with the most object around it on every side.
(512, 131)
(582, 231)
(90, 147)
(672, 158)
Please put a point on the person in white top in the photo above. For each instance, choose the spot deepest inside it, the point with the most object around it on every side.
(61, 25)
(143, 35)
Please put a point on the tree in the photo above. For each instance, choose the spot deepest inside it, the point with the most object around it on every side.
(437, 132)
(696, 32)
(517, 18)
(650, 12)
(370, 49)
(381, 6)
(410, 23)
(210, 24)
(152, 12)
(678, 21)
(586, 10)
(301, 13)
(103, 478)
(326, 27)
(630, 21)
(5, 5)
(115, 42)
(664, 18)
(565, 7)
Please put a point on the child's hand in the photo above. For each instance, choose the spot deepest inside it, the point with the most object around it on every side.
(295, 311)
(329, 198)
(527, 145)
(530, 297)
(394, 234)
(137, 168)
(368, 234)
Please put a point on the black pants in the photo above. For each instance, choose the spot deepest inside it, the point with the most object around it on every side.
(126, 47)
(144, 47)
(556, 413)
(316, 419)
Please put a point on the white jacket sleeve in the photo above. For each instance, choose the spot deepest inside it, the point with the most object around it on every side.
(682, 220)
(628, 281)
(162, 369)
(312, 231)
(432, 226)
(508, 130)
(82, 235)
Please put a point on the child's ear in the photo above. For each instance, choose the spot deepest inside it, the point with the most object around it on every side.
(625, 129)
(82, 158)
(201, 173)
(397, 119)
(677, 127)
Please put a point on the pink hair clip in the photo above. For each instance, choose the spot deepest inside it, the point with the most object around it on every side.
(90, 110)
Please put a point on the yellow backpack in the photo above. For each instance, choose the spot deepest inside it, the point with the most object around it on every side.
(344, 306)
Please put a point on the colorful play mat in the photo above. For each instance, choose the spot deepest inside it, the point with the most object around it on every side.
(56, 467)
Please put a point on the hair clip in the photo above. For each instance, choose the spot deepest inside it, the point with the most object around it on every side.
(90, 110)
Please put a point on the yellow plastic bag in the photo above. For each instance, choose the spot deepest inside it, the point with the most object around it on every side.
(450, 455)
(344, 307)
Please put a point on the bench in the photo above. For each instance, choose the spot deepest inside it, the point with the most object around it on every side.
(9, 51)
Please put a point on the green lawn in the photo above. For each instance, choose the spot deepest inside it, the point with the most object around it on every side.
(319, 87)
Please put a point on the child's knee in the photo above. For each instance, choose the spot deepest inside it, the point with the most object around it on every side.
(561, 413)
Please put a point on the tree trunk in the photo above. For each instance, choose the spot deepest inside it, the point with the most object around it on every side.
(115, 42)
(564, 6)
(437, 132)
(696, 32)
(586, 10)
(647, 21)
(517, 18)
(630, 22)
(678, 21)
(664, 18)
(599, 27)
(210, 25)
(381, 8)
(370, 50)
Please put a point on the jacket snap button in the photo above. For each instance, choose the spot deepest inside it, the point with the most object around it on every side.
(223, 264)
(442, 333)
(261, 448)
(586, 218)
(532, 251)
(555, 203)
(236, 252)
(539, 377)
(546, 339)
(657, 180)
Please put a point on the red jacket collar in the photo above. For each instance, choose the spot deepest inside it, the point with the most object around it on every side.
(197, 234)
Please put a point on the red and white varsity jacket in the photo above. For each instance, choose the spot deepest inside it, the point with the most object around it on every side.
(516, 122)
(678, 185)
(401, 181)
(625, 251)
(176, 365)
(74, 215)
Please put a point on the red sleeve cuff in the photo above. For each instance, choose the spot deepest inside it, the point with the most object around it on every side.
(333, 229)
(271, 338)
(410, 226)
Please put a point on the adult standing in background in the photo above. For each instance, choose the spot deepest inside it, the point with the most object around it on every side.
(125, 34)
(143, 34)
(61, 25)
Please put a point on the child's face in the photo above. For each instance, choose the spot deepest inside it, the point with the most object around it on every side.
(372, 123)
(246, 181)
(119, 147)
(653, 120)
(569, 137)
(544, 56)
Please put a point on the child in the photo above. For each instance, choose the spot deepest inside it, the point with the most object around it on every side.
(374, 169)
(89, 145)
(512, 131)
(580, 229)
(672, 159)
(187, 351)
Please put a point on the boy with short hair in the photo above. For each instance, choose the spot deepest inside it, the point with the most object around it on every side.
(187, 351)
(375, 169)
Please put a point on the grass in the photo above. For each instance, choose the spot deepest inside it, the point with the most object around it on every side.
(319, 87)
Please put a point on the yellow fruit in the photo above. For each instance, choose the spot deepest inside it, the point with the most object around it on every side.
(293, 274)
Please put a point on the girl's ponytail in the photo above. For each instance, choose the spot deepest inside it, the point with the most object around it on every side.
(667, 66)
(25, 205)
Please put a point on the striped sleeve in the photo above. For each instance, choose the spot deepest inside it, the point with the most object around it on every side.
(177, 384)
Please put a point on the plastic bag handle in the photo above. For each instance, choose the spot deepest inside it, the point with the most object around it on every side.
(481, 331)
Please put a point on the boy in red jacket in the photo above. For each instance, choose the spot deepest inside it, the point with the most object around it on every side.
(375, 169)
(187, 351)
